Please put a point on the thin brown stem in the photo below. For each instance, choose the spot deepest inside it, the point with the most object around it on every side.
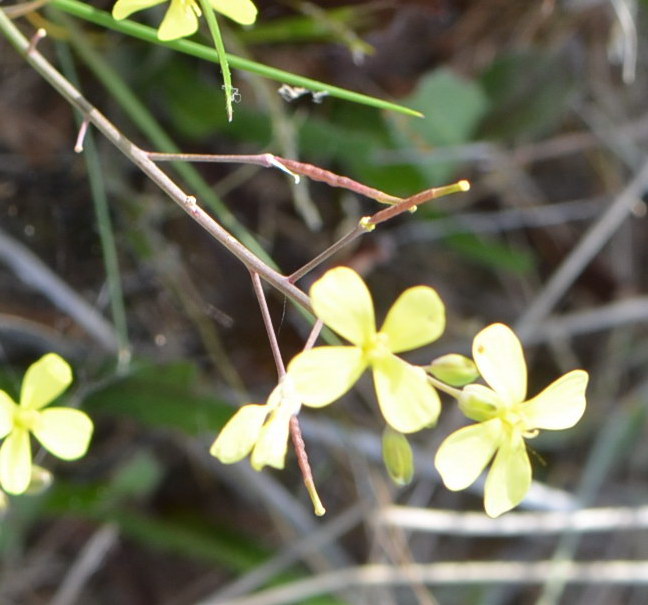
(416, 200)
(292, 167)
(140, 158)
(312, 337)
(356, 232)
(267, 322)
(304, 466)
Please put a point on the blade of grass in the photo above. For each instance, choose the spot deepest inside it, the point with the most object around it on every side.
(104, 223)
(214, 30)
(148, 34)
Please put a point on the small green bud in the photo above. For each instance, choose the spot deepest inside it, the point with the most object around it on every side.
(397, 456)
(479, 403)
(454, 369)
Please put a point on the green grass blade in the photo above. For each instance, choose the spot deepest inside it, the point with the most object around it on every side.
(137, 30)
(214, 30)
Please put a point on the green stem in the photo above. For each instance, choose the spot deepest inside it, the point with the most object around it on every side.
(104, 223)
(89, 13)
(442, 386)
(214, 30)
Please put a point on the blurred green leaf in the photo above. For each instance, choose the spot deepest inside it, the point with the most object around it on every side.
(453, 106)
(162, 396)
(529, 95)
(491, 254)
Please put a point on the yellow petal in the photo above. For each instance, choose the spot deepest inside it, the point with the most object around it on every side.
(180, 20)
(342, 301)
(124, 8)
(416, 319)
(272, 445)
(15, 462)
(7, 409)
(509, 478)
(241, 11)
(238, 436)
(500, 360)
(560, 405)
(407, 400)
(64, 432)
(464, 454)
(44, 381)
(323, 374)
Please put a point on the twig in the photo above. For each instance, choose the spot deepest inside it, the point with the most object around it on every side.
(88, 561)
(312, 542)
(267, 322)
(514, 524)
(30, 269)
(448, 574)
(140, 158)
(582, 254)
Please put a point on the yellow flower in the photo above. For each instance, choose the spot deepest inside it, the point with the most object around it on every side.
(64, 432)
(323, 374)
(260, 429)
(505, 420)
(181, 18)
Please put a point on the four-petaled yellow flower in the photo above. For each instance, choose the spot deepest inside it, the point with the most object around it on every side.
(342, 301)
(260, 429)
(65, 432)
(181, 18)
(505, 419)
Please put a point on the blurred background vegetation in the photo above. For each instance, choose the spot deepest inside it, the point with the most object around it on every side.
(541, 104)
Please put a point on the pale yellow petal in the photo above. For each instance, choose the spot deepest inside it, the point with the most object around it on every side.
(241, 11)
(15, 462)
(323, 374)
(342, 301)
(560, 405)
(238, 436)
(180, 20)
(272, 445)
(509, 478)
(7, 409)
(500, 360)
(407, 400)
(64, 432)
(464, 454)
(124, 8)
(44, 381)
(416, 319)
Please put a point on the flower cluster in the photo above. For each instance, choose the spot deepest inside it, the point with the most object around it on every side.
(64, 432)
(181, 18)
(406, 393)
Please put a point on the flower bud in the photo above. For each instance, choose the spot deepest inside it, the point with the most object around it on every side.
(397, 456)
(454, 369)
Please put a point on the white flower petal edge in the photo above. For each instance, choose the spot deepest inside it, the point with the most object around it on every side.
(464, 454)
(561, 405)
(240, 433)
(15, 462)
(509, 478)
(44, 381)
(416, 319)
(125, 8)
(343, 302)
(500, 360)
(64, 432)
(407, 400)
(241, 11)
(323, 374)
